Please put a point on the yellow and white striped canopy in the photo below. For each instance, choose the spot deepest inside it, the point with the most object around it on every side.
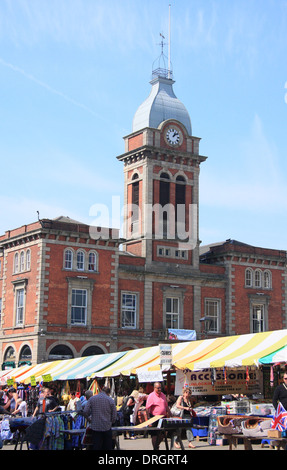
(232, 351)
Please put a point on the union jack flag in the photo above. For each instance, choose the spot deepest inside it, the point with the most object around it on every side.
(279, 421)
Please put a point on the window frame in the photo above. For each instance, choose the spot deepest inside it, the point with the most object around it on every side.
(258, 307)
(216, 319)
(130, 310)
(68, 261)
(16, 263)
(28, 260)
(248, 282)
(172, 317)
(80, 263)
(84, 307)
(95, 263)
(258, 279)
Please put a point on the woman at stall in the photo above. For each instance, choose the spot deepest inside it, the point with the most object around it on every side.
(184, 403)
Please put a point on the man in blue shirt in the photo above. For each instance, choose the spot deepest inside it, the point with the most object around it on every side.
(102, 412)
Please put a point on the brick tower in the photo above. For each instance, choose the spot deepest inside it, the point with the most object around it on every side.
(161, 169)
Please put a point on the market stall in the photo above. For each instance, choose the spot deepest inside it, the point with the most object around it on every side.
(212, 368)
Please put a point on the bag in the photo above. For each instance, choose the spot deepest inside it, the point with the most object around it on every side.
(228, 424)
(127, 410)
(175, 411)
(256, 427)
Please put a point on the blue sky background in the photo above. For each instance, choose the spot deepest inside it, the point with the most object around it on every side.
(73, 73)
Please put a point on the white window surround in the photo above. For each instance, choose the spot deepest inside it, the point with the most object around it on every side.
(258, 318)
(80, 260)
(212, 310)
(129, 310)
(20, 291)
(258, 278)
(173, 292)
(172, 312)
(80, 284)
(22, 261)
(79, 307)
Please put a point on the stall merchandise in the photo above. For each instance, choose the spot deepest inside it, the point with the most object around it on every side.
(213, 425)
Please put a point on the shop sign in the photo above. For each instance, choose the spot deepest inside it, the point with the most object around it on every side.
(165, 351)
(149, 376)
(234, 381)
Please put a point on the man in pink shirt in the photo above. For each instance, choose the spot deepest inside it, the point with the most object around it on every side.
(156, 404)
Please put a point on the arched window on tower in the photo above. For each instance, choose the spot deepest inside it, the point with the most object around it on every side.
(135, 204)
(180, 206)
(164, 200)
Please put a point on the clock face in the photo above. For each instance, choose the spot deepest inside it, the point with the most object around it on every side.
(173, 136)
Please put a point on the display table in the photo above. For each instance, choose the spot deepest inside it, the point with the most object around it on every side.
(168, 431)
(247, 441)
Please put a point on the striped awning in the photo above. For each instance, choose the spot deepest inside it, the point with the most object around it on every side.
(275, 357)
(12, 373)
(231, 351)
(234, 351)
(130, 362)
(87, 367)
(36, 371)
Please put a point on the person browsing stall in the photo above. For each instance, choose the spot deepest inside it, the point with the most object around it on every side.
(184, 403)
(280, 394)
(156, 405)
(101, 410)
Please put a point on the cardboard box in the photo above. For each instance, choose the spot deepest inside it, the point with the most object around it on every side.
(273, 433)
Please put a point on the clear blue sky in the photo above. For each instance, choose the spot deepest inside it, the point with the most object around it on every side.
(73, 73)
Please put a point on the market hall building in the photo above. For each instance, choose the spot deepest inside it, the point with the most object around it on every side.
(67, 292)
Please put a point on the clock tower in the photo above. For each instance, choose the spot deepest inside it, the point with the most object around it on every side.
(161, 179)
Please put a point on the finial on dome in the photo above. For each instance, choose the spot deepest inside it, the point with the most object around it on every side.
(161, 67)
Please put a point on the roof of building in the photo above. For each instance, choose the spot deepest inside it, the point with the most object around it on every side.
(161, 104)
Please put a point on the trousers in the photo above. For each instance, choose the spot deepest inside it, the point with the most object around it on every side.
(102, 440)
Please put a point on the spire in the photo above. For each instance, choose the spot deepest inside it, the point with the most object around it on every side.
(161, 67)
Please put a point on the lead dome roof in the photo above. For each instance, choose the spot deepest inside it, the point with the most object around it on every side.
(161, 104)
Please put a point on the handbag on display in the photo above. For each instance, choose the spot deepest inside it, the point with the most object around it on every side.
(256, 427)
(228, 424)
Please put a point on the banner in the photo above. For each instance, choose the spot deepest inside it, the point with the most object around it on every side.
(226, 382)
(165, 351)
(181, 335)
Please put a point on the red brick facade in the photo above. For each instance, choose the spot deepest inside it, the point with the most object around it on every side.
(65, 292)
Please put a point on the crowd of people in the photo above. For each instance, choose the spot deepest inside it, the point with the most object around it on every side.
(103, 412)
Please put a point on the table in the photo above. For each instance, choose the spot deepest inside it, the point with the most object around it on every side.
(247, 441)
(170, 431)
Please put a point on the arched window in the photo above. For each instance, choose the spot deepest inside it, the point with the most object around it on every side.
(267, 280)
(92, 351)
(60, 352)
(22, 261)
(258, 278)
(25, 356)
(248, 277)
(180, 206)
(68, 259)
(93, 265)
(135, 204)
(80, 261)
(28, 260)
(164, 199)
(16, 263)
